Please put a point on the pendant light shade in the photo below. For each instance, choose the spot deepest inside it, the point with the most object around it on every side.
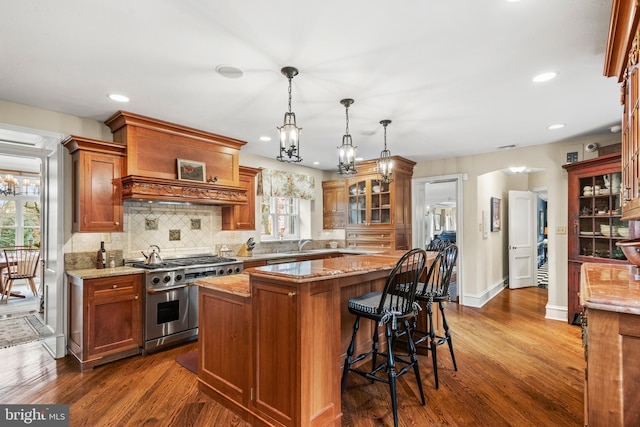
(385, 162)
(289, 131)
(347, 152)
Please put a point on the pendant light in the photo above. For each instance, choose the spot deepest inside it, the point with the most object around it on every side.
(385, 162)
(289, 132)
(347, 152)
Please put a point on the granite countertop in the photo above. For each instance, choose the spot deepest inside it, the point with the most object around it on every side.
(306, 271)
(288, 254)
(94, 273)
(349, 265)
(236, 284)
(610, 287)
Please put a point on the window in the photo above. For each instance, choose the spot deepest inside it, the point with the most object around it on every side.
(19, 221)
(280, 218)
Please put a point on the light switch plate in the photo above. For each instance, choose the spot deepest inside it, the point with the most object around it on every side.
(561, 229)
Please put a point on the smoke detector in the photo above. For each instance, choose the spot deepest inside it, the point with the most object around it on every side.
(590, 148)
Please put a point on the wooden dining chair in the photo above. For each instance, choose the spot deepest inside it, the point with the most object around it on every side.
(21, 263)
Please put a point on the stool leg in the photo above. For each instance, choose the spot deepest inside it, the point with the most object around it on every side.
(414, 359)
(391, 375)
(350, 350)
(447, 335)
(432, 336)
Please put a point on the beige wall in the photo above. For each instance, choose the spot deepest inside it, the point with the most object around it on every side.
(548, 158)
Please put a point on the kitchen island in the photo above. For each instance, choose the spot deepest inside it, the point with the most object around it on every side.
(272, 340)
(611, 338)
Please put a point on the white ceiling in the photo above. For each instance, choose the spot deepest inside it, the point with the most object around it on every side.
(454, 76)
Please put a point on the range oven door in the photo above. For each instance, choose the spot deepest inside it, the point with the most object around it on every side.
(167, 313)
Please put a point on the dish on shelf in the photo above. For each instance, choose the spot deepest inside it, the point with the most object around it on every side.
(588, 193)
(590, 233)
(376, 188)
(385, 206)
(623, 231)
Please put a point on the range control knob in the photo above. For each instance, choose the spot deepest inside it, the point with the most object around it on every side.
(230, 271)
(178, 277)
(237, 270)
(221, 272)
(166, 279)
(156, 280)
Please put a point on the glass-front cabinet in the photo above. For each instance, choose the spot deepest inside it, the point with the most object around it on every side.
(369, 202)
(599, 216)
(595, 219)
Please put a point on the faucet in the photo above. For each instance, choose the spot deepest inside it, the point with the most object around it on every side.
(301, 244)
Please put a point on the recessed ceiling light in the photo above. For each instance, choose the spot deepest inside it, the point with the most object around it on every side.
(367, 132)
(359, 159)
(512, 1)
(118, 97)
(265, 138)
(556, 126)
(507, 147)
(316, 163)
(229, 72)
(544, 77)
(517, 169)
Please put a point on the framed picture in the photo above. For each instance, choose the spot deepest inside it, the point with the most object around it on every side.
(495, 214)
(189, 170)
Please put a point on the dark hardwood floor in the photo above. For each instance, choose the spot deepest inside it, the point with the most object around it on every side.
(515, 368)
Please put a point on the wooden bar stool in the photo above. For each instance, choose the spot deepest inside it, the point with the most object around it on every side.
(436, 289)
(391, 309)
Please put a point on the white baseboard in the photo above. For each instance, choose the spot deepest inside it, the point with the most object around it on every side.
(478, 300)
(556, 312)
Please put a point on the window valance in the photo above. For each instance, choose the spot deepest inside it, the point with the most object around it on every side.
(285, 184)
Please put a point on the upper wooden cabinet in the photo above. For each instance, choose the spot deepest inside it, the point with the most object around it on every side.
(333, 204)
(379, 214)
(243, 217)
(623, 52)
(96, 187)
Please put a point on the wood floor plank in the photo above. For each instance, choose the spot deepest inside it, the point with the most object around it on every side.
(516, 368)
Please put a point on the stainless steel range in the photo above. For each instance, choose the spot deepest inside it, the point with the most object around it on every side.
(171, 303)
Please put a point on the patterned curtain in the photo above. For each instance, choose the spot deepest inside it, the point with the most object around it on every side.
(285, 184)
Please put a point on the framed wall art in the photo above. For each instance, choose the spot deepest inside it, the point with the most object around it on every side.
(190, 170)
(496, 220)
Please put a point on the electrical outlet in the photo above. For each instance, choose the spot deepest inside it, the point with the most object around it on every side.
(561, 229)
(106, 237)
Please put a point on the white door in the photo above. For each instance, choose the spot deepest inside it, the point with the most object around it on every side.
(53, 251)
(523, 249)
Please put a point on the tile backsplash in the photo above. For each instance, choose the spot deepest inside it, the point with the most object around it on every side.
(178, 229)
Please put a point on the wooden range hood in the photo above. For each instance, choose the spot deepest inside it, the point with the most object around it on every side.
(153, 148)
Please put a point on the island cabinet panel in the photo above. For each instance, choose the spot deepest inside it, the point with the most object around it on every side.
(613, 373)
(296, 340)
(105, 318)
(225, 356)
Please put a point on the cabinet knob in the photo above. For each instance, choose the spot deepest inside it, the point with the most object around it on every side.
(114, 286)
(136, 297)
(292, 294)
(117, 222)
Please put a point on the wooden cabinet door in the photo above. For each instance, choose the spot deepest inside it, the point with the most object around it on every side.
(275, 339)
(333, 204)
(114, 314)
(100, 194)
(243, 217)
(225, 351)
(96, 186)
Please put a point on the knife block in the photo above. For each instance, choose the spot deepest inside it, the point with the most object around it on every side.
(244, 251)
